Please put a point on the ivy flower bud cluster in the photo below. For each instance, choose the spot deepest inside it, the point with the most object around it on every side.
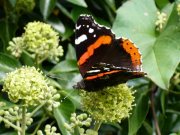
(16, 46)
(52, 99)
(24, 6)
(161, 20)
(39, 40)
(14, 115)
(77, 121)
(29, 86)
(49, 130)
(112, 104)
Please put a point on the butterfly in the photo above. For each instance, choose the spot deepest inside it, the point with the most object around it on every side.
(103, 59)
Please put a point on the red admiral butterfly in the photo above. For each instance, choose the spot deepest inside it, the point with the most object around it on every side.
(104, 60)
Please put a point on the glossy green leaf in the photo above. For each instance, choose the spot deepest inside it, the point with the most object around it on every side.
(111, 4)
(26, 59)
(148, 128)
(68, 79)
(67, 73)
(57, 25)
(12, 2)
(139, 112)
(163, 100)
(69, 31)
(46, 7)
(160, 52)
(63, 10)
(78, 11)
(7, 64)
(7, 31)
(161, 3)
(65, 66)
(79, 2)
(71, 54)
(62, 115)
(73, 95)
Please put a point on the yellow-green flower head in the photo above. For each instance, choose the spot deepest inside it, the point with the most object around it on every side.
(112, 104)
(42, 41)
(23, 6)
(16, 46)
(26, 84)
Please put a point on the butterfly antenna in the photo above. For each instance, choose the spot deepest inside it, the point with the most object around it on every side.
(64, 98)
(54, 77)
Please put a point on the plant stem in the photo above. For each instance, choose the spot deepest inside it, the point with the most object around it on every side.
(37, 108)
(23, 124)
(153, 89)
(97, 125)
(11, 124)
(39, 124)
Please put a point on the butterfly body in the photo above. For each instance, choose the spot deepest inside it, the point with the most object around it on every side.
(104, 60)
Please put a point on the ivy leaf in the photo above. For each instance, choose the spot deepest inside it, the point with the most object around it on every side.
(7, 31)
(139, 112)
(7, 64)
(161, 52)
(62, 115)
(46, 7)
(71, 54)
(57, 25)
(81, 3)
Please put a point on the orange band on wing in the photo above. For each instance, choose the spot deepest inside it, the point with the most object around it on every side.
(101, 74)
(130, 48)
(90, 50)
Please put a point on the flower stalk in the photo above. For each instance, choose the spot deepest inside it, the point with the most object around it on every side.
(23, 124)
(97, 125)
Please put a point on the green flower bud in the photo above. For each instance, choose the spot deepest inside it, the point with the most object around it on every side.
(1, 112)
(91, 132)
(112, 104)
(87, 123)
(50, 130)
(2, 104)
(67, 126)
(81, 131)
(53, 129)
(26, 84)
(39, 132)
(73, 119)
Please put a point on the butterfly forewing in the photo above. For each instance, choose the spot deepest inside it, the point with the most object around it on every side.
(102, 58)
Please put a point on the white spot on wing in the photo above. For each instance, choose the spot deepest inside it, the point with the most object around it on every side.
(80, 39)
(93, 71)
(91, 30)
(78, 27)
